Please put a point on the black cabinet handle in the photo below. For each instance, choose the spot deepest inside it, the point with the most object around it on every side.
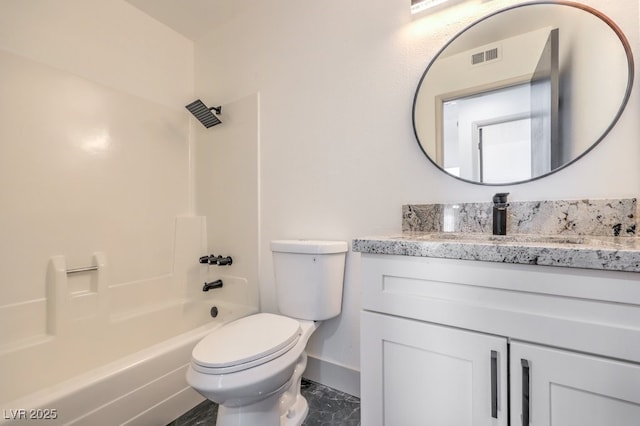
(525, 392)
(494, 384)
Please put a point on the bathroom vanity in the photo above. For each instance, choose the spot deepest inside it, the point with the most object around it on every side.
(540, 326)
(524, 329)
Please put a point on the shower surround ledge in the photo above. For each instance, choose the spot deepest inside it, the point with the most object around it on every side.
(591, 234)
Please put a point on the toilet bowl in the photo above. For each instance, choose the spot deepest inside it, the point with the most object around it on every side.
(252, 367)
(253, 384)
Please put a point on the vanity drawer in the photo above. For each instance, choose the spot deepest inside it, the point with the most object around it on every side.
(585, 310)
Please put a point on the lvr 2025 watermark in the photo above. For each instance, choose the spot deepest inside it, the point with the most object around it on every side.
(30, 414)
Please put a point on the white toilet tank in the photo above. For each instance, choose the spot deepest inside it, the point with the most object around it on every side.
(309, 276)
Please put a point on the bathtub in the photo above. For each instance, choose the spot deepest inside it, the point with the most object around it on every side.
(147, 387)
(95, 350)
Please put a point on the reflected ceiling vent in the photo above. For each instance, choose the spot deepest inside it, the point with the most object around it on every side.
(485, 56)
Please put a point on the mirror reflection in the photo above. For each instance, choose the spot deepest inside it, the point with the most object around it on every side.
(523, 92)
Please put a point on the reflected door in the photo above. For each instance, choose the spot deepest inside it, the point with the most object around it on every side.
(507, 133)
(505, 151)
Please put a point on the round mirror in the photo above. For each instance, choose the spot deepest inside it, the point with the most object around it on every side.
(523, 92)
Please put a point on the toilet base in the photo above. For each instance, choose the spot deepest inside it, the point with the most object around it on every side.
(296, 413)
(264, 413)
(285, 407)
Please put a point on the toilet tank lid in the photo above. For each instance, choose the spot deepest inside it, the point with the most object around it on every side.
(309, 246)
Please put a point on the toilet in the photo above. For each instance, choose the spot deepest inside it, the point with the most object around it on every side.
(252, 367)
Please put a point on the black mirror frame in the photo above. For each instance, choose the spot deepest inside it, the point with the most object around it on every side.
(631, 69)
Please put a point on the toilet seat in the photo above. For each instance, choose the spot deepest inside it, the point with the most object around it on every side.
(245, 343)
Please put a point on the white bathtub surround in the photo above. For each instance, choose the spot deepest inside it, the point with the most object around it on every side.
(96, 167)
(87, 322)
(143, 388)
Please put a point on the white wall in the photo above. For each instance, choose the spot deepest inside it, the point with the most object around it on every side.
(337, 155)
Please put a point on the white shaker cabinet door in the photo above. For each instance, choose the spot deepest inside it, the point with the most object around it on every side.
(417, 373)
(563, 388)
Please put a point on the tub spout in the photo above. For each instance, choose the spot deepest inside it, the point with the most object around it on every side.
(212, 285)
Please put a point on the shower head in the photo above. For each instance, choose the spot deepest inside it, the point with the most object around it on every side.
(204, 114)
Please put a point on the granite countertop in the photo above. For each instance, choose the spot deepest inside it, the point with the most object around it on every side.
(579, 251)
(592, 234)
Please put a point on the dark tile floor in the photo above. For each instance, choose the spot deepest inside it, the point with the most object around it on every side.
(327, 407)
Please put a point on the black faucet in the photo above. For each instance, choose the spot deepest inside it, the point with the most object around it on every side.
(212, 285)
(212, 259)
(500, 213)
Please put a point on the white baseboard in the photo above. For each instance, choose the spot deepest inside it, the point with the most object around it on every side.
(335, 376)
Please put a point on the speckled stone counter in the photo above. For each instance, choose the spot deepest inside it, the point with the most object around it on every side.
(592, 234)
(613, 254)
(607, 217)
